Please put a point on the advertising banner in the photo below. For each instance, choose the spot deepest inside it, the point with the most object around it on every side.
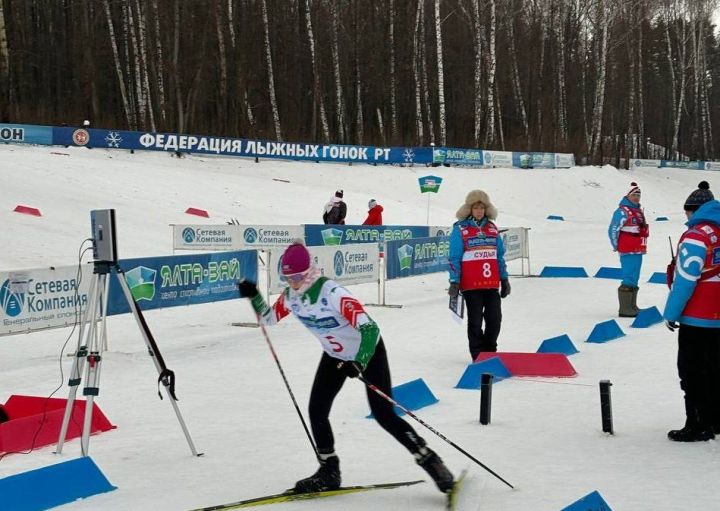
(694, 165)
(348, 264)
(321, 234)
(533, 160)
(172, 142)
(472, 157)
(564, 161)
(498, 159)
(234, 237)
(637, 163)
(158, 282)
(515, 242)
(439, 230)
(41, 298)
(26, 134)
(406, 258)
(712, 165)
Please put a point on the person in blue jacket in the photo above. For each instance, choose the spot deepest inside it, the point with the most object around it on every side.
(693, 307)
(477, 269)
(628, 233)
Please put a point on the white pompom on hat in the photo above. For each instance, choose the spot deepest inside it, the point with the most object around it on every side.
(472, 198)
(634, 188)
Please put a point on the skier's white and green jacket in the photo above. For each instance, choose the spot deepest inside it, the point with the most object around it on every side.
(332, 314)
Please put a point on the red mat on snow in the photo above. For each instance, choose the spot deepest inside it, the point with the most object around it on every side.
(197, 212)
(27, 210)
(25, 413)
(533, 364)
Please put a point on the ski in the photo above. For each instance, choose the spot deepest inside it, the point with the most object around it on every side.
(291, 495)
(452, 494)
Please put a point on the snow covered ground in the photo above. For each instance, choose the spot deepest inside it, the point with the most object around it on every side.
(545, 437)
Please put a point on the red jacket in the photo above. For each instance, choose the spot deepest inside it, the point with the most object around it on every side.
(374, 216)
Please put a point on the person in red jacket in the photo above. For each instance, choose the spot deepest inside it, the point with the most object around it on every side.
(374, 213)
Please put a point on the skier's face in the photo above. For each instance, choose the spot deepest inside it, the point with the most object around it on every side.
(478, 210)
(634, 198)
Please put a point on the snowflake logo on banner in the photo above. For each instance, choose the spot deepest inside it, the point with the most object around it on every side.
(113, 139)
(409, 155)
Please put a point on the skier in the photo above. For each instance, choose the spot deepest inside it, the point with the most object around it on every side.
(374, 213)
(694, 303)
(477, 268)
(628, 232)
(335, 210)
(352, 346)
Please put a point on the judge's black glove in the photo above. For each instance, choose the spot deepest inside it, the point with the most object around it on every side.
(454, 289)
(352, 369)
(247, 289)
(671, 325)
(504, 288)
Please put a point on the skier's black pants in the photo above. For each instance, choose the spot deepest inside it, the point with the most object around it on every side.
(698, 363)
(329, 380)
(483, 305)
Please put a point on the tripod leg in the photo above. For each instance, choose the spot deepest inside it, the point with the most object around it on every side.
(88, 321)
(145, 331)
(92, 389)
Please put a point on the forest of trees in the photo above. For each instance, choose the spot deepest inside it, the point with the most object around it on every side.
(603, 79)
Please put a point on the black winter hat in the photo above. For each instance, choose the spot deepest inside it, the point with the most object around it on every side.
(339, 194)
(699, 197)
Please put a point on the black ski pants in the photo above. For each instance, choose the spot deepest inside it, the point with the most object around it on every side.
(329, 380)
(483, 309)
(698, 363)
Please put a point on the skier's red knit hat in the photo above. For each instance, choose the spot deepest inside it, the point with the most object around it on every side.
(296, 259)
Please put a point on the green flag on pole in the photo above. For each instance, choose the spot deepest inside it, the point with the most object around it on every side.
(429, 184)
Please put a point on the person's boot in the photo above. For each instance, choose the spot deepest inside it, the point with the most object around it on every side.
(625, 298)
(634, 300)
(434, 466)
(327, 477)
(691, 433)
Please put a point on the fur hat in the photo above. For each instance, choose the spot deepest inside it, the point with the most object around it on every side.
(296, 259)
(339, 194)
(699, 197)
(634, 188)
(372, 203)
(473, 197)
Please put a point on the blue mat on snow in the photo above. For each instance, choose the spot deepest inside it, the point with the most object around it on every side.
(560, 344)
(605, 272)
(413, 395)
(471, 377)
(590, 502)
(52, 486)
(564, 271)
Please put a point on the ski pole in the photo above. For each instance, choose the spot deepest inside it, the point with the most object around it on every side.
(287, 384)
(428, 426)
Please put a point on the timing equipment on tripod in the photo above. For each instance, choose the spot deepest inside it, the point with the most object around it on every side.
(88, 359)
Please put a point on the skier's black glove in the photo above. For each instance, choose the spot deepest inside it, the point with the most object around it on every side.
(351, 369)
(454, 289)
(671, 325)
(247, 289)
(504, 288)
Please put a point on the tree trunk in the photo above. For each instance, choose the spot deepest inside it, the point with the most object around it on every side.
(416, 75)
(490, 134)
(562, 91)
(393, 99)
(222, 106)
(160, 66)
(359, 118)
(142, 36)
(477, 71)
(441, 75)
(318, 101)
(118, 66)
(601, 66)
(340, 107)
(426, 87)
(517, 87)
(271, 75)
(640, 95)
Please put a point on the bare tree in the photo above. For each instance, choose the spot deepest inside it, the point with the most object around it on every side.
(271, 75)
(317, 91)
(393, 99)
(441, 74)
(491, 86)
(340, 107)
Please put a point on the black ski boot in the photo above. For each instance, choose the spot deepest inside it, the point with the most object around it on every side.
(691, 434)
(434, 466)
(327, 477)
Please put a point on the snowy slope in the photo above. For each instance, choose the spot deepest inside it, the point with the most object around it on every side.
(545, 437)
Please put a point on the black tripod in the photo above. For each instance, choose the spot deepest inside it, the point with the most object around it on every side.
(89, 351)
